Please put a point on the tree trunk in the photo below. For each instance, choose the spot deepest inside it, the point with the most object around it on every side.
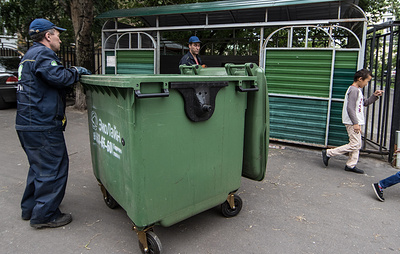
(82, 20)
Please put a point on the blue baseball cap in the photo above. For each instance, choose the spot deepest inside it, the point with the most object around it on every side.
(41, 25)
(194, 39)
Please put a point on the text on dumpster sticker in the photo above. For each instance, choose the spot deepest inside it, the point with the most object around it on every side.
(106, 136)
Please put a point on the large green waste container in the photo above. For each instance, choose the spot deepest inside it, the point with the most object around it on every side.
(167, 147)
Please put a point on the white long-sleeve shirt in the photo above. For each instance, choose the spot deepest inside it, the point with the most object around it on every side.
(353, 106)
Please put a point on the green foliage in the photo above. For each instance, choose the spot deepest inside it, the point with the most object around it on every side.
(378, 8)
(381, 50)
(316, 37)
(16, 15)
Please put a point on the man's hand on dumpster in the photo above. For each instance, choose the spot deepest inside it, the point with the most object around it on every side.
(82, 70)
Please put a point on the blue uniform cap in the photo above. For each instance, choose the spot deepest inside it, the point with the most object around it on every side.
(40, 25)
(194, 39)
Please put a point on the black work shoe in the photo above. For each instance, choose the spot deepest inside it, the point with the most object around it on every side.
(378, 191)
(325, 157)
(355, 170)
(25, 217)
(62, 220)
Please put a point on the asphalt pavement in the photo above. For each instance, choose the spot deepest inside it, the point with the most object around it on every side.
(300, 207)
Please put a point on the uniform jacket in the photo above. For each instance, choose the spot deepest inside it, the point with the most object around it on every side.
(41, 93)
(188, 59)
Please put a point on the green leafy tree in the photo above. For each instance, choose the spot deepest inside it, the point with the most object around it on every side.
(377, 8)
(75, 15)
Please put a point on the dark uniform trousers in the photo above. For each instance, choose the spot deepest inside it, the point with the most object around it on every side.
(47, 176)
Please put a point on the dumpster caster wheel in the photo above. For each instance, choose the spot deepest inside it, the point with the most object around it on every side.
(153, 244)
(228, 211)
(110, 201)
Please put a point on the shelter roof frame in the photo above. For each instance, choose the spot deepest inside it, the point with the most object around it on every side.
(234, 14)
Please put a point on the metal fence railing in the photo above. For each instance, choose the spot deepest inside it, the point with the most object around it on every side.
(66, 54)
(383, 59)
(68, 58)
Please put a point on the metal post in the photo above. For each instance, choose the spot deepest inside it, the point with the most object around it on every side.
(369, 91)
(261, 53)
(387, 86)
(157, 62)
(371, 63)
(328, 116)
(363, 46)
(396, 104)
(397, 148)
(381, 123)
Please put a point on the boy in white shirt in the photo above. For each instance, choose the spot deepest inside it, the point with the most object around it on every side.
(353, 119)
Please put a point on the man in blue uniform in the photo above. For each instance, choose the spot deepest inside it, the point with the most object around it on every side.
(192, 56)
(40, 122)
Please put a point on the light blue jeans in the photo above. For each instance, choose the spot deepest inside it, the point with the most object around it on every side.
(391, 180)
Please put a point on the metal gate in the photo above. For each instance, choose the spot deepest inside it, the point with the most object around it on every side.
(383, 119)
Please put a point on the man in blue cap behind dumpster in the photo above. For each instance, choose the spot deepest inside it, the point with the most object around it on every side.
(192, 56)
(40, 122)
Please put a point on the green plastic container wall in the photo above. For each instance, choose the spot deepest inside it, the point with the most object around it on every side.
(257, 126)
(160, 165)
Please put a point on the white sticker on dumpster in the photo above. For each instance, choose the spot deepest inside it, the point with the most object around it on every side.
(106, 135)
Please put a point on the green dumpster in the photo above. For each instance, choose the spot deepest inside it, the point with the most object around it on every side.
(167, 147)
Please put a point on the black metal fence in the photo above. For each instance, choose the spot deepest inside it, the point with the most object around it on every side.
(66, 55)
(68, 58)
(382, 118)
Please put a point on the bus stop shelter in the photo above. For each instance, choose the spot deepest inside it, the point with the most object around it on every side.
(309, 49)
